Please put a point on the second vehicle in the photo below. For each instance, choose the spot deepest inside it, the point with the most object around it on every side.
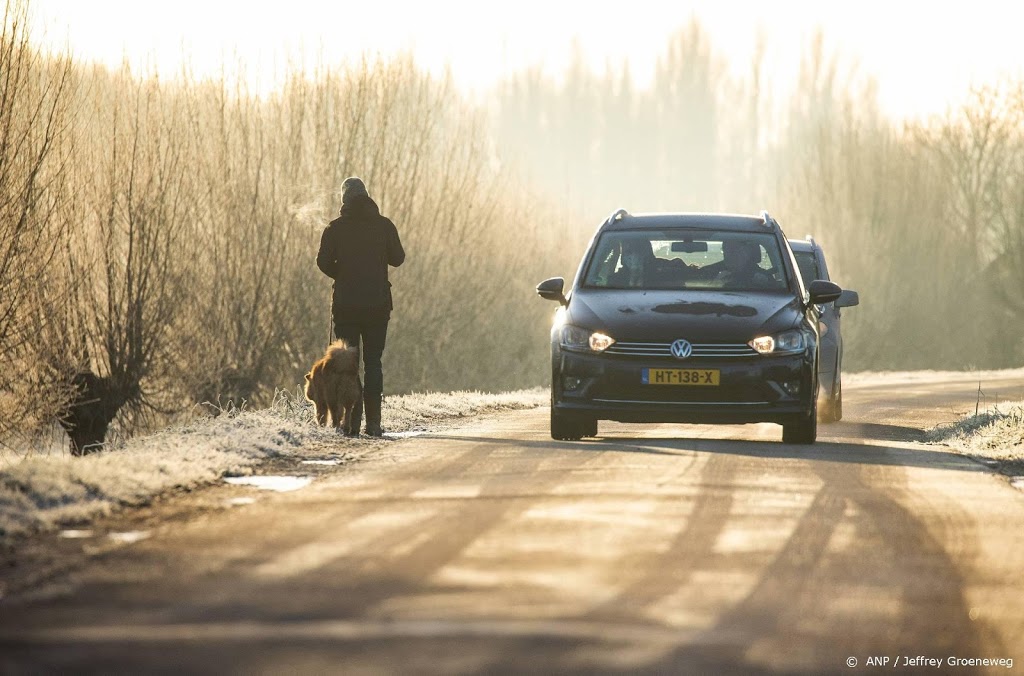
(811, 260)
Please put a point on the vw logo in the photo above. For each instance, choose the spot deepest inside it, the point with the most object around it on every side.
(681, 349)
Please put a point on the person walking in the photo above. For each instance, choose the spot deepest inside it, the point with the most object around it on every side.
(355, 251)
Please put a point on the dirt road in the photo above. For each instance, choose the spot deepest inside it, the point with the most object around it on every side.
(667, 548)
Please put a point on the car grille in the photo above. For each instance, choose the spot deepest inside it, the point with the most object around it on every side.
(715, 350)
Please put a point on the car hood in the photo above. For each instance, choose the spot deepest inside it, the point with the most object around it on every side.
(698, 316)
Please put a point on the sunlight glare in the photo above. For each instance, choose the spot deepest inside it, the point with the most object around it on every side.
(924, 56)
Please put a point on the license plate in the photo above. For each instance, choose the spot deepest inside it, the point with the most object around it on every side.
(680, 377)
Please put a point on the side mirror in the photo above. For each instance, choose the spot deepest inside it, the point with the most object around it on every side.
(824, 292)
(848, 299)
(551, 289)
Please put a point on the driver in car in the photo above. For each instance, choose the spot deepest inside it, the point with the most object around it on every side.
(740, 267)
(637, 265)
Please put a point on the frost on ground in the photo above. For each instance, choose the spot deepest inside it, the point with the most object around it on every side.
(874, 378)
(39, 491)
(997, 433)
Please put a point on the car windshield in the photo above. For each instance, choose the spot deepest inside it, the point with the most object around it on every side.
(808, 264)
(687, 259)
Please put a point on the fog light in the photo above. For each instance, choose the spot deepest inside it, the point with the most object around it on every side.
(791, 386)
(570, 383)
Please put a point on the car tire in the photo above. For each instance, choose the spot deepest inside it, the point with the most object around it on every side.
(566, 427)
(590, 427)
(803, 429)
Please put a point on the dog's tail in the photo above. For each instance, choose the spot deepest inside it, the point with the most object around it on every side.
(338, 346)
(342, 358)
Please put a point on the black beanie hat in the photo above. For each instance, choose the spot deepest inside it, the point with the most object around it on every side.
(352, 187)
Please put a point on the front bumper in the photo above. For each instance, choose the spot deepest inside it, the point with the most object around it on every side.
(755, 389)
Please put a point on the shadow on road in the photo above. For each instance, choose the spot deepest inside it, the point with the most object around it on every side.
(874, 431)
(825, 451)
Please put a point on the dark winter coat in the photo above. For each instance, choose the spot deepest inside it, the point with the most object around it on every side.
(355, 251)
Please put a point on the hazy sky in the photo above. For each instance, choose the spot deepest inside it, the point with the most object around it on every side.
(924, 54)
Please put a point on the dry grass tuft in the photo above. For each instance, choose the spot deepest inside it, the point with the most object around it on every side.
(996, 433)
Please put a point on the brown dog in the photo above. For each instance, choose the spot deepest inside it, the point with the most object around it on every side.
(333, 386)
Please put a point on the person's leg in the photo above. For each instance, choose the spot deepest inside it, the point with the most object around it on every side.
(350, 333)
(374, 336)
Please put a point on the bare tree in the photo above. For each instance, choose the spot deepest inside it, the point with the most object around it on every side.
(1004, 273)
(972, 147)
(685, 98)
(134, 184)
(34, 119)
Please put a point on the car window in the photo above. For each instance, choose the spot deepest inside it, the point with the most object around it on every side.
(690, 259)
(808, 264)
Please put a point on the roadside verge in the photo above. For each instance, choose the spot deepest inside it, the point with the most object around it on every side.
(994, 437)
(39, 492)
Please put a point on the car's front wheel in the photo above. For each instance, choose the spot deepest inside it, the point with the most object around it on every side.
(568, 427)
(803, 429)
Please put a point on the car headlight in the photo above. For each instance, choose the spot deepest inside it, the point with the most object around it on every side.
(574, 337)
(787, 341)
(600, 342)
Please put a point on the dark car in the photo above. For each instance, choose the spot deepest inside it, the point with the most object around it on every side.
(690, 318)
(811, 260)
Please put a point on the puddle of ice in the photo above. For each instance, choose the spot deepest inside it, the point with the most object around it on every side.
(321, 462)
(1018, 482)
(235, 502)
(271, 483)
(75, 534)
(129, 537)
(403, 435)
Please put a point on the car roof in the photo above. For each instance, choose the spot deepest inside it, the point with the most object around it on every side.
(803, 245)
(737, 222)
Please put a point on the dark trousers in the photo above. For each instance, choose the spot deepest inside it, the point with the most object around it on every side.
(373, 334)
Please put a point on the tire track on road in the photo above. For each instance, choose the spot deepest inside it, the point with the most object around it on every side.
(377, 574)
(655, 576)
(780, 623)
(935, 617)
